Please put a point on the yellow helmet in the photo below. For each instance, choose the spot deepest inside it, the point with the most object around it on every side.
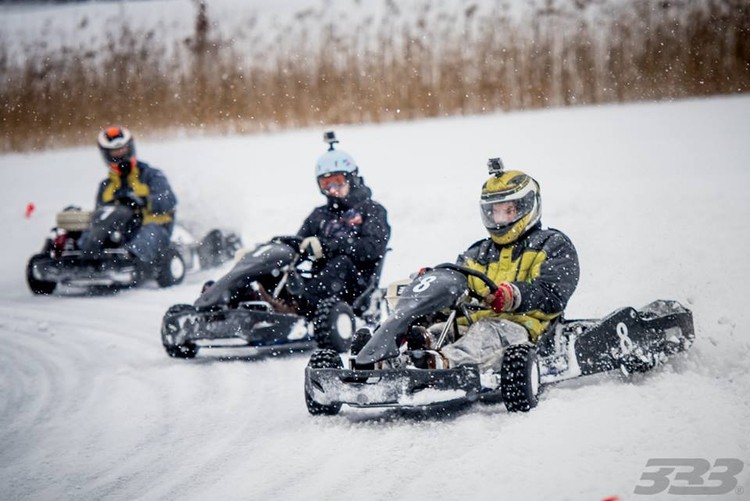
(510, 205)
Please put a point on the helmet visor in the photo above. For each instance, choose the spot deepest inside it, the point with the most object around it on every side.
(333, 182)
(116, 155)
(500, 212)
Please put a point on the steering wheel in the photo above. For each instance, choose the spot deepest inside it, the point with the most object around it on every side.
(474, 273)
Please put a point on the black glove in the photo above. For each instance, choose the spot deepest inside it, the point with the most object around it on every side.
(126, 196)
(335, 246)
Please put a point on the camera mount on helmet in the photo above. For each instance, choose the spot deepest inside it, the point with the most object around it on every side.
(495, 166)
(330, 138)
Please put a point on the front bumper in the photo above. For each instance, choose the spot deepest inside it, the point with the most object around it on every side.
(75, 270)
(393, 387)
(252, 327)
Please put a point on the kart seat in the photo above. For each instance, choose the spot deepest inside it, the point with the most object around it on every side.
(362, 302)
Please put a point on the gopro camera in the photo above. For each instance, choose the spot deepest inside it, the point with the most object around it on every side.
(330, 138)
(495, 166)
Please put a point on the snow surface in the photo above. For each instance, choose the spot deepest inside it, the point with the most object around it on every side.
(654, 196)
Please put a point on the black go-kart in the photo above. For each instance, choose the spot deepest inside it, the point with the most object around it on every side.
(110, 266)
(382, 371)
(254, 305)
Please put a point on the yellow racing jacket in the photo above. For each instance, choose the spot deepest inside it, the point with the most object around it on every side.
(148, 183)
(542, 264)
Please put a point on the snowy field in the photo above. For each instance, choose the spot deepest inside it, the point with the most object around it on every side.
(654, 196)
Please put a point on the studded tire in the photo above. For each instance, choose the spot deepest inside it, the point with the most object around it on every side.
(170, 327)
(185, 351)
(322, 359)
(333, 325)
(519, 377)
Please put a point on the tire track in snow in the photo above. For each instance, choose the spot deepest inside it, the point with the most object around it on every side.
(137, 423)
(43, 386)
(72, 377)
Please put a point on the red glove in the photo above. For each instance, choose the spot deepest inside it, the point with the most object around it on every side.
(506, 298)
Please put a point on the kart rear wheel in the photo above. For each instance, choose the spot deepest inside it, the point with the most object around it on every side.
(519, 378)
(334, 325)
(38, 287)
(186, 351)
(323, 359)
(170, 269)
(170, 327)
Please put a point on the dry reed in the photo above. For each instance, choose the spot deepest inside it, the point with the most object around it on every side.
(380, 71)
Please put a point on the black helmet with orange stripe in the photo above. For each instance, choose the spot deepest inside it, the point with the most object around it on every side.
(117, 148)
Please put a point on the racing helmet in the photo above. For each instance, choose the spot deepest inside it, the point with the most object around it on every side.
(335, 167)
(510, 205)
(334, 161)
(117, 148)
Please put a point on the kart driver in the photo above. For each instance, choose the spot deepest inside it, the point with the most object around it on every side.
(346, 238)
(535, 270)
(139, 186)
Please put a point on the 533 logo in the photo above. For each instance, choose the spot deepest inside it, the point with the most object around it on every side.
(689, 476)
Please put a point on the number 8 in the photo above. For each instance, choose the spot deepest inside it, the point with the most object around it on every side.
(424, 284)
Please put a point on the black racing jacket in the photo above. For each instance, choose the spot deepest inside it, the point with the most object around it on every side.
(356, 226)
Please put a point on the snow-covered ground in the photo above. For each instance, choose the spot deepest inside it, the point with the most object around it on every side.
(654, 196)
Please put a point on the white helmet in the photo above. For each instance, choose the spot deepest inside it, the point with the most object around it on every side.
(335, 161)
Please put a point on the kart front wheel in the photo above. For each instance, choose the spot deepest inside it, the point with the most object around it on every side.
(519, 378)
(322, 359)
(169, 333)
(38, 287)
(334, 325)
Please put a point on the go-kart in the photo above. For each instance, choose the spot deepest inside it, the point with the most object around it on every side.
(383, 371)
(253, 305)
(109, 265)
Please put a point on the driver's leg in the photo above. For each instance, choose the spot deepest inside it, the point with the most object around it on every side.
(336, 278)
(485, 343)
(149, 243)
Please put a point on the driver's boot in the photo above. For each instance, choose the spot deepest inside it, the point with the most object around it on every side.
(279, 305)
(419, 341)
(418, 338)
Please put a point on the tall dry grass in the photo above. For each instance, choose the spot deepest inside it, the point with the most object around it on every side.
(434, 65)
